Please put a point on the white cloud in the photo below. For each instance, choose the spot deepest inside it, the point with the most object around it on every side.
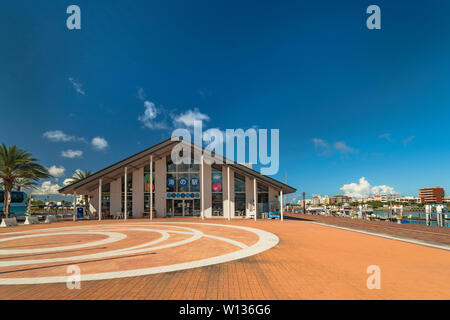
(187, 119)
(386, 136)
(363, 189)
(326, 148)
(77, 86)
(383, 190)
(149, 115)
(141, 94)
(56, 171)
(59, 136)
(320, 143)
(158, 117)
(68, 181)
(47, 187)
(148, 119)
(99, 143)
(342, 147)
(323, 146)
(357, 190)
(408, 140)
(72, 154)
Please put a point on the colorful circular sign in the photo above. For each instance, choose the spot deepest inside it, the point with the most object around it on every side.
(216, 187)
(195, 182)
(217, 177)
(147, 187)
(182, 182)
(171, 182)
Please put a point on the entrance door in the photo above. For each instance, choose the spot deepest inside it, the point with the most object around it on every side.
(178, 207)
(188, 208)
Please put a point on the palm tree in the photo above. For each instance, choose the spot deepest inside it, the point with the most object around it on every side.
(78, 176)
(16, 164)
(26, 183)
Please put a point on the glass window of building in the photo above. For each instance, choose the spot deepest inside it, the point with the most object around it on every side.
(197, 207)
(106, 199)
(129, 194)
(182, 177)
(217, 190)
(239, 195)
(263, 200)
(182, 188)
(149, 187)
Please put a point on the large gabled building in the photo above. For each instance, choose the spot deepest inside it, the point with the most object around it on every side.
(150, 181)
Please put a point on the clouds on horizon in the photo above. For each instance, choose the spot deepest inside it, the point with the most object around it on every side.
(364, 189)
(47, 188)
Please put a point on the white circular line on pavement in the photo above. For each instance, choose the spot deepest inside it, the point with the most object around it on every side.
(111, 237)
(266, 240)
(105, 254)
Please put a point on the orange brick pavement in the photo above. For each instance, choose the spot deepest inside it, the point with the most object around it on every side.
(309, 262)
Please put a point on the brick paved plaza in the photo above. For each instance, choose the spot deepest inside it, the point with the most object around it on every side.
(194, 259)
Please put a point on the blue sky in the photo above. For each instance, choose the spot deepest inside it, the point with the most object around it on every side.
(349, 102)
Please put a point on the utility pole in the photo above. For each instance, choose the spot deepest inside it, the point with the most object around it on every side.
(304, 203)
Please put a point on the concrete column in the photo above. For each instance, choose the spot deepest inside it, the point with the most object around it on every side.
(160, 187)
(138, 192)
(207, 188)
(202, 192)
(255, 197)
(281, 205)
(249, 200)
(151, 187)
(116, 196)
(229, 192)
(93, 203)
(100, 199)
(125, 211)
(74, 218)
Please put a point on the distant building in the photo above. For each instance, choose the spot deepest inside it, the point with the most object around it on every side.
(339, 198)
(432, 195)
(386, 197)
(394, 197)
(307, 202)
(318, 200)
(376, 197)
(408, 199)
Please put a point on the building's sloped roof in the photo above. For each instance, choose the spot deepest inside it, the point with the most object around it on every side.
(92, 179)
